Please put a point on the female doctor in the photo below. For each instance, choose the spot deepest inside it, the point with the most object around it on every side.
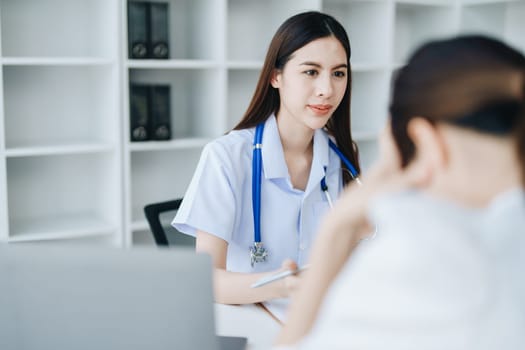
(258, 192)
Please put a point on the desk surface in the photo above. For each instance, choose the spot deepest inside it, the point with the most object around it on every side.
(250, 321)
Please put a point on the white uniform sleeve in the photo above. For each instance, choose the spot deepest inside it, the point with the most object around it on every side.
(209, 203)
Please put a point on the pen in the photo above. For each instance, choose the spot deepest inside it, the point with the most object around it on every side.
(268, 279)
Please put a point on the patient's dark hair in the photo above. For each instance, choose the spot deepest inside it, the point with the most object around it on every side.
(472, 81)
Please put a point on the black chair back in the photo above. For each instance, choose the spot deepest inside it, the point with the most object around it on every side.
(159, 216)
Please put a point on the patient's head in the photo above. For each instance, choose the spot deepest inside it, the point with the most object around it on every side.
(471, 85)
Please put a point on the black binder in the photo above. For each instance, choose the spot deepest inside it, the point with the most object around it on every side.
(139, 112)
(160, 126)
(159, 30)
(138, 29)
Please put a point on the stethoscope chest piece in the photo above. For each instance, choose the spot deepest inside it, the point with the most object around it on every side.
(258, 253)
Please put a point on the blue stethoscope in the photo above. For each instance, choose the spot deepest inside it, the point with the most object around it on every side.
(258, 253)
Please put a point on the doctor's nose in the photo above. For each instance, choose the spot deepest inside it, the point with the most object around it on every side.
(324, 86)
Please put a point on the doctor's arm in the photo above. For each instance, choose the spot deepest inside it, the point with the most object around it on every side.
(234, 287)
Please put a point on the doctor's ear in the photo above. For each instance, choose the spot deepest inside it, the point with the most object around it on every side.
(275, 81)
(430, 149)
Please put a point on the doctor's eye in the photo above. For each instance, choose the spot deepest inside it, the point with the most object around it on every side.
(311, 72)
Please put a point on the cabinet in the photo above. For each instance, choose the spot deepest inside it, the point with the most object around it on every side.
(68, 170)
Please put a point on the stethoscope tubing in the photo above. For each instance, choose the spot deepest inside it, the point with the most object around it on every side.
(256, 182)
(345, 160)
(257, 174)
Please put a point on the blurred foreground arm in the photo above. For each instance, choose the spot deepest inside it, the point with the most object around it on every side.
(340, 232)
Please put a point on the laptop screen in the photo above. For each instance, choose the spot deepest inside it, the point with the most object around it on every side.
(68, 297)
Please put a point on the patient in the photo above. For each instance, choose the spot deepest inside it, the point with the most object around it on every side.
(447, 194)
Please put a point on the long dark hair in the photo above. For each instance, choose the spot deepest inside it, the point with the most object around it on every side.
(296, 32)
(468, 81)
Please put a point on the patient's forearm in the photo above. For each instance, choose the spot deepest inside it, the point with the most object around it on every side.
(331, 250)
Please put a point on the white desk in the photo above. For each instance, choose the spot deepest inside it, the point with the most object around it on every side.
(250, 321)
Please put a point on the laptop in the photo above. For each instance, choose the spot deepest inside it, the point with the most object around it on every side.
(70, 297)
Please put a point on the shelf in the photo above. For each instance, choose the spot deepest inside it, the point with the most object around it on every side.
(241, 87)
(196, 101)
(369, 104)
(194, 29)
(368, 67)
(59, 105)
(484, 2)
(168, 145)
(487, 18)
(159, 176)
(60, 227)
(514, 25)
(364, 136)
(416, 23)
(173, 64)
(502, 20)
(55, 28)
(59, 150)
(63, 187)
(432, 3)
(245, 65)
(368, 153)
(250, 27)
(57, 61)
(368, 24)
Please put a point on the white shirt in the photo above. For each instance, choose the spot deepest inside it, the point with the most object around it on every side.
(219, 198)
(438, 276)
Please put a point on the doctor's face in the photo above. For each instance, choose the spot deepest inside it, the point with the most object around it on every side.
(312, 83)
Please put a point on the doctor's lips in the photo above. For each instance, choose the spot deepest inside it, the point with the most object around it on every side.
(321, 109)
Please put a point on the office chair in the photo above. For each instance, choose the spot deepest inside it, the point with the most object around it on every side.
(159, 216)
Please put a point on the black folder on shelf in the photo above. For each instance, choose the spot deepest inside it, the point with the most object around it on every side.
(138, 29)
(148, 30)
(159, 30)
(139, 111)
(160, 125)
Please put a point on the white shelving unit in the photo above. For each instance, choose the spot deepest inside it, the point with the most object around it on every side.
(68, 170)
(61, 121)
